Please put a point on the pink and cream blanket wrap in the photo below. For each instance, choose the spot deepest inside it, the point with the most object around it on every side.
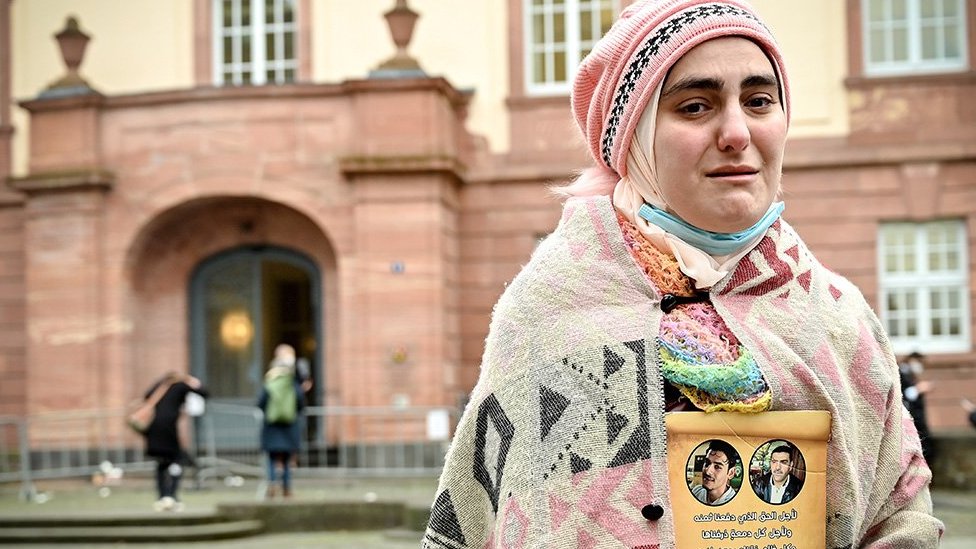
(562, 442)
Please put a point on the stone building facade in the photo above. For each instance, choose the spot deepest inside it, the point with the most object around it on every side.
(366, 223)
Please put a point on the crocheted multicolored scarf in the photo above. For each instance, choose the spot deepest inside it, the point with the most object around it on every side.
(698, 353)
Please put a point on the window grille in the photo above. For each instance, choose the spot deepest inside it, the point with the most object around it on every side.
(558, 35)
(914, 36)
(254, 42)
(924, 285)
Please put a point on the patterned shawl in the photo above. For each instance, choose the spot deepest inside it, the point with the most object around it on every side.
(562, 442)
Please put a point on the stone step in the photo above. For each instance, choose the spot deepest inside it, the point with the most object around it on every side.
(131, 534)
(134, 519)
(403, 534)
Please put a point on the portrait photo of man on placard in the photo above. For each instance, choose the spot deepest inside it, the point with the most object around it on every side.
(777, 472)
(715, 472)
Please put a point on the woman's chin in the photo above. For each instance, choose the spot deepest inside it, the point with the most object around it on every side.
(730, 227)
(736, 221)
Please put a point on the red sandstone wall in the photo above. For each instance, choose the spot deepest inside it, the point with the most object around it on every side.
(357, 178)
(13, 382)
(836, 195)
(13, 386)
(501, 223)
(353, 176)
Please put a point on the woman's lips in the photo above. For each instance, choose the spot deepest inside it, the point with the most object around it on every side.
(733, 176)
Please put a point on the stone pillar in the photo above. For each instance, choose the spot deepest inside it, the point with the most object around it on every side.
(63, 235)
(13, 369)
(6, 129)
(406, 170)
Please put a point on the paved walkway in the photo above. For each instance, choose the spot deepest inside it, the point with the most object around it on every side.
(135, 496)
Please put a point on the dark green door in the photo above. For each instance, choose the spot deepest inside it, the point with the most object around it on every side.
(244, 302)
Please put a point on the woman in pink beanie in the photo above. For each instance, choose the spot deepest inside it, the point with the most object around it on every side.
(673, 284)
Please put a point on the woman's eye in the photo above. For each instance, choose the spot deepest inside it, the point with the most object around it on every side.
(759, 102)
(692, 108)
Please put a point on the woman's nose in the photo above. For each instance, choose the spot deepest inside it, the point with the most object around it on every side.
(733, 132)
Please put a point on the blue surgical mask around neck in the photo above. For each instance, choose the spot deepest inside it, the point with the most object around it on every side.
(716, 244)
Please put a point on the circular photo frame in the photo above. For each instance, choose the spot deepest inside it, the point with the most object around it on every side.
(714, 472)
(777, 471)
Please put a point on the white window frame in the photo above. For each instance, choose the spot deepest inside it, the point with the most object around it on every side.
(259, 64)
(573, 45)
(915, 64)
(919, 283)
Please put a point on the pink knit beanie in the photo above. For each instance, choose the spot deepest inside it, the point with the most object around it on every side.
(619, 77)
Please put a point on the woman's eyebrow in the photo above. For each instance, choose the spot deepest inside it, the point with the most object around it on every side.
(760, 80)
(716, 84)
(693, 83)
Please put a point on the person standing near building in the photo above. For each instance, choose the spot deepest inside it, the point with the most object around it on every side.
(970, 408)
(163, 440)
(673, 283)
(913, 391)
(282, 400)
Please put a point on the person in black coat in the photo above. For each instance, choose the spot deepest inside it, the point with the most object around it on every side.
(162, 436)
(281, 439)
(913, 391)
(779, 485)
(970, 409)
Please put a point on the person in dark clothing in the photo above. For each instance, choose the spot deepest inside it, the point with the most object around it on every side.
(779, 485)
(162, 437)
(970, 409)
(281, 431)
(913, 392)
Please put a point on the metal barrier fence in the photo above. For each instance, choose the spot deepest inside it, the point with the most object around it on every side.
(225, 441)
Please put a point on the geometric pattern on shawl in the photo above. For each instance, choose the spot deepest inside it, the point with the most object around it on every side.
(750, 279)
(515, 526)
(841, 370)
(551, 407)
(598, 453)
(598, 390)
(781, 267)
(444, 521)
(492, 443)
(588, 504)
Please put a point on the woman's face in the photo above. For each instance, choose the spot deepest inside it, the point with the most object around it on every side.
(720, 135)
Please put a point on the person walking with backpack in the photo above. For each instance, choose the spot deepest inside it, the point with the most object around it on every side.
(281, 400)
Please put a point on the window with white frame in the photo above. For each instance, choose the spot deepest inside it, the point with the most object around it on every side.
(924, 286)
(254, 42)
(914, 36)
(558, 35)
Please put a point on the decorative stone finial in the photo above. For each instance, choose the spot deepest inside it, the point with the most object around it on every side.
(72, 42)
(401, 20)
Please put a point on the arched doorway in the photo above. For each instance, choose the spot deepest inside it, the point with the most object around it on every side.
(243, 302)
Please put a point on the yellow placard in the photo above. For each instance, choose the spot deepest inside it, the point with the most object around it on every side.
(748, 481)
